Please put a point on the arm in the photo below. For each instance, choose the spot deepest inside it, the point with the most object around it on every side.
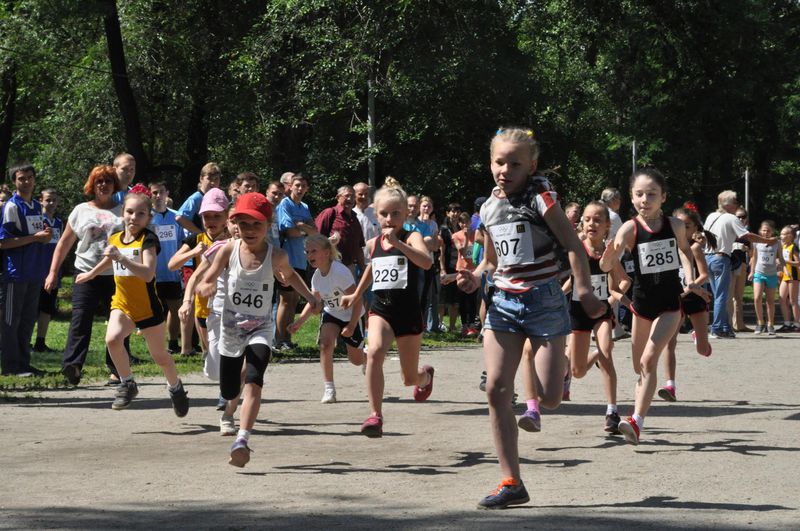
(146, 270)
(101, 266)
(185, 311)
(355, 315)
(623, 240)
(620, 283)
(753, 262)
(702, 266)
(184, 253)
(307, 312)
(755, 238)
(415, 248)
(280, 263)
(207, 285)
(188, 225)
(65, 243)
(468, 281)
(43, 236)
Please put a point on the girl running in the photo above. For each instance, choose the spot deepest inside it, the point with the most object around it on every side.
(245, 296)
(396, 314)
(694, 306)
(330, 282)
(790, 282)
(524, 228)
(659, 247)
(608, 287)
(764, 264)
(135, 303)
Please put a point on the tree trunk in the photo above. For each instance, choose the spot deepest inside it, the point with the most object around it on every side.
(8, 100)
(196, 147)
(122, 86)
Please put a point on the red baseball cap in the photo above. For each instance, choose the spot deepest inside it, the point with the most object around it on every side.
(254, 205)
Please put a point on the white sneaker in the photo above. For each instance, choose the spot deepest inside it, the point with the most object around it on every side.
(329, 397)
(227, 426)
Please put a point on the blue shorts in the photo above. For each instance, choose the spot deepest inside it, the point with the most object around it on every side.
(771, 281)
(541, 312)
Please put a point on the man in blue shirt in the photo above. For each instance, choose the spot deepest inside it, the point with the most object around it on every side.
(125, 166)
(294, 223)
(22, 235)
(168, 283)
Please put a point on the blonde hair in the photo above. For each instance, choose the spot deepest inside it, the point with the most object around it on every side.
(726, 197)
(516, 135)
(323, 242)
(391, 189)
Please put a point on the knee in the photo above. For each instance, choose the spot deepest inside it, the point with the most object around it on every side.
(580, 372)
(499, 394)
(326, 346)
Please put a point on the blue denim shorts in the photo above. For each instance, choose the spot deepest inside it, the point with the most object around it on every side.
(541, 312)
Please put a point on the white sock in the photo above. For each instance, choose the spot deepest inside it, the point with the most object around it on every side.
(243, 434)
(127, 379)
(175, 387)
(671, 383)
(611, 408)
(639, 420)
(329, 385)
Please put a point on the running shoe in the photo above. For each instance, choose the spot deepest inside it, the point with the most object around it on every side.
(126, 391)
(786, 327)
(227, 426)
(373, 427)
(329, 397)
(630, 430)
(180, 400)
(771, 331)
(72, 373)
(508, 492)
(422, 393)
(470, 332)
(221, 403)
(667, 393)
(172, 346)
(612, 423)
(759, 329)
(567, 384)
(530, 421)
(240, 453)
(482, 385)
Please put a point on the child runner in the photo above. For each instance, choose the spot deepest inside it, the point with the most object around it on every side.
(609, 288)
(396, 314)
(245, 297)
(135, 303)
(790, 282)
(692, 304)
(764, 274)
(524, 225)
(659, 247)
(330, 282)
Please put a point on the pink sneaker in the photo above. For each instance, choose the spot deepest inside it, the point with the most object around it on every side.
(422, 393)
(667, 393)
(630, 430)
(373, 427)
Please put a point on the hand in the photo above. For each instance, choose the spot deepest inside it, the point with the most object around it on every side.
(293, 327)
(610, 251)
(347, 300)
(466, 281)
(348, 330)
(698, 290)
(389, 235)
(44, 235)
(592, 305)
(199, 249)
(113, 253)
(80, 278)
(185, 311)
(750, 277)
(206, 289)
(335, 237)
(51, 282)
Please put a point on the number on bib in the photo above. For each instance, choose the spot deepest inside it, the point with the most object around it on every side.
(766, 257)
(248, 297)
(166, 233)
(599, 287)
(35, 224)
(658, 256)
(389, 272)
(513, 243)
(134, 255)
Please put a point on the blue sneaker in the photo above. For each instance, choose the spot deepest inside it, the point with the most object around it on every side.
(508, 492)
(530, 421)
(240, 453)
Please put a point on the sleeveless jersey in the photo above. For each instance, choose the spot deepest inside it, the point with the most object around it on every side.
(767, 258)
(656, 260)
(201, 303)
(527, 252)
(394, 277)
(133, 296)
(790, 272)
(599, 278)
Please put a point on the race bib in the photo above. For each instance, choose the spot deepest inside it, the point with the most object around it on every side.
(56, 235)
(599, 287)
(630, 266)
(35, 224)
(331, 300)
(166, 233)
(658, 256)
(389, 272)
(134, 255)
(513, 243)
(249, 297)
(786, 255)
(766, 257)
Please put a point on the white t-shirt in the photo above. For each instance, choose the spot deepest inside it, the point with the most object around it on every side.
(727, 228)
(616, 223)
(93, 226)
(331, 287)
(369, 226)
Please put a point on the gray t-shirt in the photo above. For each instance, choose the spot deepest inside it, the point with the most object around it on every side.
(93, 226)
(767, 258)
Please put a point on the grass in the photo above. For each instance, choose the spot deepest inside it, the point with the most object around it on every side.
(95, 367)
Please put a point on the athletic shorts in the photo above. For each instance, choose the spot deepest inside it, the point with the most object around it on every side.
(281, 287)
(168, 291)
(356, 340)
(255, 358)
(449, 294)
(539, 313)
(769, 281)
(405, 323)
(651, 307)
(692, 304)
(48, 302)
(201, 322)
(581, 322)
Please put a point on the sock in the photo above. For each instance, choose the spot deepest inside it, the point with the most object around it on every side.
(611, 408)
(533, 405)
(786, 323)
(639, 420)
(671, 383)
(173, 388)
(243, 434)
(127, 379)
(329, 385)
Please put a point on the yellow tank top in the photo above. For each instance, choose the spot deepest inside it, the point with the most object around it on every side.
(790, 272)
(201, 303)
(133, 296)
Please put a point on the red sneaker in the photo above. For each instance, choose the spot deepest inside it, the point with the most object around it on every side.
(630, 430)
(667, 393)
(422, 393)
(373, 427)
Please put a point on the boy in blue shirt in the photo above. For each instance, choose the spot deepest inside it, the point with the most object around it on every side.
(165, 225)
(48, 301)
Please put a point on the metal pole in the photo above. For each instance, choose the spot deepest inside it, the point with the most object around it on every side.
(747, 189)
(371, 134)
(633, 157)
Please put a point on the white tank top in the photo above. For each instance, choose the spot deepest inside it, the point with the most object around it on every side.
(247, 294)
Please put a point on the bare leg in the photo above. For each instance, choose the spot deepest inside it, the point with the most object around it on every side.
(286, 310)
(758, 290)
(408, 350)
(380, 339)
(769, 302)
(603, 332)
(173, 321)
(155, 339)
(579, 342)
(119, 327)
(661, 331)
(551, 364)
(327, 342)
(251, 403)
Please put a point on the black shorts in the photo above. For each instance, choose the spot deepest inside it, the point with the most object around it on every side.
(281, 287)
(168, 291)
(651, 307)
(150, 322)
(407, 322)
(581, 322)
(230, 370)
(693, 304)
(48, 302)
(201, 322)
(356, 340)
(449, 294)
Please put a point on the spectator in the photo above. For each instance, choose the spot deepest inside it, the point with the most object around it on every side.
(125, 166)
(573, 213)
(463, 241)
(188, 213)
(286, 179)
(727, 228)
(613, 200)
(295, 223)
(448, 259)
(432, 286)
(164, 224)
(234, 188)
(22, 238)
(366, 213)
(249, 182)
(5, 194)
(89, 224)
(275, 196)
(48, 301)
(739, 260)
(341, 224)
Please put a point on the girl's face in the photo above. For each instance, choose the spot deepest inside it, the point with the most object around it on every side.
(595, 223)
(426, 208)
(765, 231)
(214, 222)
(316, 255)
(787, 236)
(252, 231)
(391, 213)
(647, 196)
(233, 229)
(136, 213)
(691, 228)
(511, 165)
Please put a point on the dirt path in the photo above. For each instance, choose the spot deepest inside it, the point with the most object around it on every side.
(725, 455)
